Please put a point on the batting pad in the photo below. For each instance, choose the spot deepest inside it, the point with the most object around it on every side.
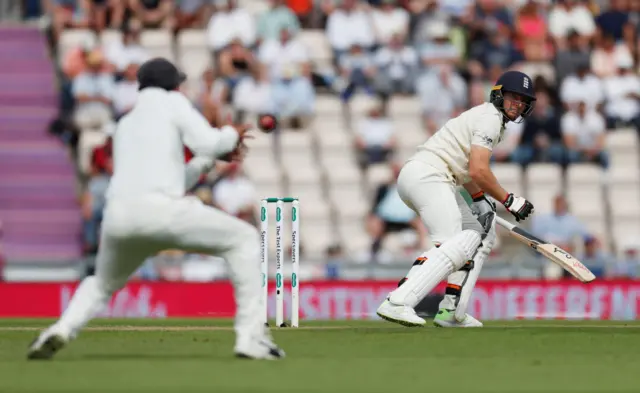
(440, 262)
(462, 247)
(478, 260)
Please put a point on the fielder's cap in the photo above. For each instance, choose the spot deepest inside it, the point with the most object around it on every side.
(161, 73)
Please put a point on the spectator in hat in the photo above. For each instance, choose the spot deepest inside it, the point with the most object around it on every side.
(75, 61)
(93, 92)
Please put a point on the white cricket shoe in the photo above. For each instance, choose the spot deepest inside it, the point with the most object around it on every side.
(258, 346)
(404, 315)
(446, 318)
(47, 344)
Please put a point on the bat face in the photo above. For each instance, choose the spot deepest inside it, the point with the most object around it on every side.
(556, 255)
(567, 261)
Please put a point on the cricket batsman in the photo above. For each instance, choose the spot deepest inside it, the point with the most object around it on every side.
(147, 212)
(458, 154)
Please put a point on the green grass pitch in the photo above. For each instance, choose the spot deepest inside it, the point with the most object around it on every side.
(185, 356)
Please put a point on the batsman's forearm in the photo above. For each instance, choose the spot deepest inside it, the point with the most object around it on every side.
(472, 188)
(487, 181)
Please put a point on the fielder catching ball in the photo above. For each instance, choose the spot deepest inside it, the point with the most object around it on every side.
(458, 154)
(147, 212)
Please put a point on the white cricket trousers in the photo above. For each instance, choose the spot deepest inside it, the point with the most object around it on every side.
(135, 229)
(431, 194)
(443, 210)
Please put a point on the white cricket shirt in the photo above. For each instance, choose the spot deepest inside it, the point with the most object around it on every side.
(148, 145)
(450, 146)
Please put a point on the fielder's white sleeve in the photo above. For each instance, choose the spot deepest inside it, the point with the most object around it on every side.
(195, 168)
(202, 139)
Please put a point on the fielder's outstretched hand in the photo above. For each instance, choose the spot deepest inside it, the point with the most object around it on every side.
(241, 149)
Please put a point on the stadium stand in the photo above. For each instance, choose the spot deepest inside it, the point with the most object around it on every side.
(38, 204)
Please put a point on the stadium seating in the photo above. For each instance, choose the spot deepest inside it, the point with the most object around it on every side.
(158, 43)
(543, 183)
(319, 164)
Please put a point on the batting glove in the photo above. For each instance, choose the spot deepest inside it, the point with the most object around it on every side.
(481, 204)
(518, 206)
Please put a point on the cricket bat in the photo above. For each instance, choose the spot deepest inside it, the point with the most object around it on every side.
(552, 252)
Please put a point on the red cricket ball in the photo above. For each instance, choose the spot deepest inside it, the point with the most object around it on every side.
(267, 123)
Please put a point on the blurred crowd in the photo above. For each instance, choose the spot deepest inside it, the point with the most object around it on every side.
(583, 56)
(584, 60)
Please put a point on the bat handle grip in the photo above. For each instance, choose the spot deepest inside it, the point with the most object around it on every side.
(504, 223)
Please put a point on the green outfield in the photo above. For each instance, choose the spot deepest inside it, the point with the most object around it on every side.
(185, 356)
